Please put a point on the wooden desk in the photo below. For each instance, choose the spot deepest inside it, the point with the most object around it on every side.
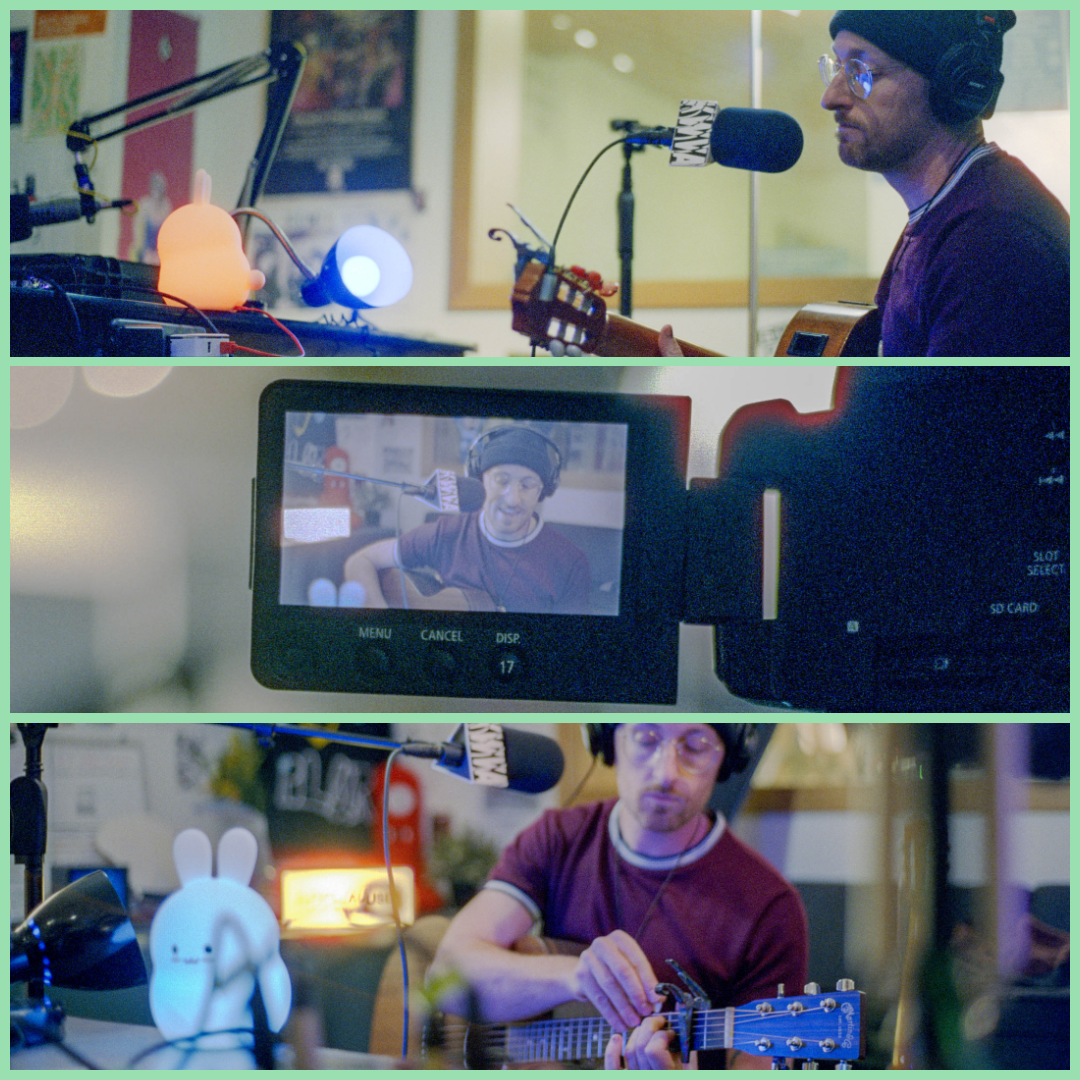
(115, 1046)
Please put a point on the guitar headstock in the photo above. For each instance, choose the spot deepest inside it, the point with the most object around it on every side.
(562, 311)
(810, 1027)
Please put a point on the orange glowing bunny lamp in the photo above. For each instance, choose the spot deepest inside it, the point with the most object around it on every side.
(202, 257)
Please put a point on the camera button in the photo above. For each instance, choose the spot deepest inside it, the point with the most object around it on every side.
(441, 665)
(507, 665)
(371, 660)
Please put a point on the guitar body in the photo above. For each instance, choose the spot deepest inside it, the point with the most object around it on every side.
(418, 591)
(839, 329)
(560, 311)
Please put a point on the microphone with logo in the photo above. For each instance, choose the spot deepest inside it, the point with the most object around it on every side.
(443, 491)
(449, 493)
(490, 755)
(758, 140)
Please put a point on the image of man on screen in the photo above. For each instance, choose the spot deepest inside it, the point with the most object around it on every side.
(502, 557)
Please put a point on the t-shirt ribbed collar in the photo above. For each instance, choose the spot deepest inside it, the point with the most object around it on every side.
(955, 177)
(667, 862)
(528, 538)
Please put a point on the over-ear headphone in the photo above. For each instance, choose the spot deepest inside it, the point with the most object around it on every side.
(740, 742)
(968, 75)
(547, 448)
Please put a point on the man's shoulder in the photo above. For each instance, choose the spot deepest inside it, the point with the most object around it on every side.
(1001, 194)
(559, 830)
(750, 866)
(554, 540)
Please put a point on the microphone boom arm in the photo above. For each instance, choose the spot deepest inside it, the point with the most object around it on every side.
(283, 63)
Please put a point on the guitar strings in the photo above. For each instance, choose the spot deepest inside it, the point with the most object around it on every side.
(584, 1038)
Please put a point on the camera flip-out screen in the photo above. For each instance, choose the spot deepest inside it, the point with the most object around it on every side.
(469, 543)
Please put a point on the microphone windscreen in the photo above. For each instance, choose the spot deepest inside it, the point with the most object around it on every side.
(760, 140)
(534, 763)
(471, 493)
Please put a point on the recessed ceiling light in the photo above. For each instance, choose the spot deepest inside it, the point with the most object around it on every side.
(586, 39)
(623, 63)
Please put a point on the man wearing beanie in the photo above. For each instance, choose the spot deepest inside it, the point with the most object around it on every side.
(502, 556)
(982, 268)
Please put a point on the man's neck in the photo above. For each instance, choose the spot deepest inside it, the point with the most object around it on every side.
(661, 845)
(924, 175)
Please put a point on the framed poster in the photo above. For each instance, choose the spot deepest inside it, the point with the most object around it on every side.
(350, 128)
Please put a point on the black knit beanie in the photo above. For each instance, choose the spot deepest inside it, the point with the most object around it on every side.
(919, 38)
(518, 446)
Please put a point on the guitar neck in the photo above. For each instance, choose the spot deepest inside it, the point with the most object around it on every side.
(625, 338)
(822, 1027)
(583, 1038)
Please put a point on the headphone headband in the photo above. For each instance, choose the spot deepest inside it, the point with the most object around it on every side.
(740, 742)
(520, 445)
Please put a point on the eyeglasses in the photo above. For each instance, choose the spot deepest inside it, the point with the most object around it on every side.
(526, 483)
(860, 78)
(696, 750)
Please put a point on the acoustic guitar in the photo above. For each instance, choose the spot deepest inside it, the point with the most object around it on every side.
(420, 591)
(562, 311)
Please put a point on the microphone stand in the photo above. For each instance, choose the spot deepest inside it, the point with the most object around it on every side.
(625, 206)
(29, 821)
(29, 833)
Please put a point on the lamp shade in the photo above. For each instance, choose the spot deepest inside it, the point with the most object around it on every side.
(79, 938)
(366, 268)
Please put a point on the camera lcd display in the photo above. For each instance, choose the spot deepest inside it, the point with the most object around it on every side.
(458, 542)
(452, 513)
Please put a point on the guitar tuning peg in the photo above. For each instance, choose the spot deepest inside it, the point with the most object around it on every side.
(556, 348)
(812, 989)
(573, 350)
(845, 985)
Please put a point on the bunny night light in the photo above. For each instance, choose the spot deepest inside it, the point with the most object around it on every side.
(202, 256)
(211, 941)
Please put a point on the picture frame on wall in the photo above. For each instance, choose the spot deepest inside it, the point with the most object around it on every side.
(350, 128)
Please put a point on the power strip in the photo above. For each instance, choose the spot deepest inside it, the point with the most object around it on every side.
(197, 344)
(136, 337)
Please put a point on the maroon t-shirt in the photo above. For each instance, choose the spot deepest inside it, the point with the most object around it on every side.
(546, 574)
(727, 916)
(983, 270)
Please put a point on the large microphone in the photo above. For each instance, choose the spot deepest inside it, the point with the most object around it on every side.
(759, 140)
(491, 755)
(449, 493)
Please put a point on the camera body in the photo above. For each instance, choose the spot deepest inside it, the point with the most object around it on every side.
(919, 560)
(905, 551)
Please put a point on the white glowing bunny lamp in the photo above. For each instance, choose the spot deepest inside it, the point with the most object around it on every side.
(211, 941)
(202, 255)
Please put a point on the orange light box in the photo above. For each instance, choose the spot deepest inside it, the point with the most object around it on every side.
(344, 901)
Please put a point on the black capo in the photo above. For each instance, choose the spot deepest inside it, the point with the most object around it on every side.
(687, 1002)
